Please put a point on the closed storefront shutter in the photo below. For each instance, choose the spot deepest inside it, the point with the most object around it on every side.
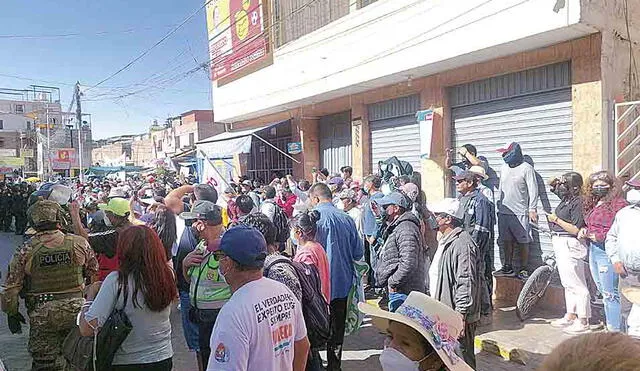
(335, 141)
(541, 121)
(395, 131)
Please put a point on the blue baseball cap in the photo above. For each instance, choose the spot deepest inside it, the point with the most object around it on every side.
(395, 198)
(246, 245)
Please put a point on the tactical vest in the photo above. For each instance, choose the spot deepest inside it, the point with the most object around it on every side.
(207, 289)
(53, 270)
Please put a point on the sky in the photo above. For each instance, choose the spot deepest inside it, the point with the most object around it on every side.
(100, 37)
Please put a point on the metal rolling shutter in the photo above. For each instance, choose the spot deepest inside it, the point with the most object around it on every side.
(395, 131)
(542, 124)
(335, 141)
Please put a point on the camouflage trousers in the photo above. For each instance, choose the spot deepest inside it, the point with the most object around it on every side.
(50, 323)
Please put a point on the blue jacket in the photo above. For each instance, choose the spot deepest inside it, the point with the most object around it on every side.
(338, 235)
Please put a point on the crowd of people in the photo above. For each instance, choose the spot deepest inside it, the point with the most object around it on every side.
(267, 275)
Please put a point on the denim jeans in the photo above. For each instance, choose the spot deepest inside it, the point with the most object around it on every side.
(607, 281)
(190, 329)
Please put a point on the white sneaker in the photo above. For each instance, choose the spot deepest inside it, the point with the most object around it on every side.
(561, 322)
(577, 328)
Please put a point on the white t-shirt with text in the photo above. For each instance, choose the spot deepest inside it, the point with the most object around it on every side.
(256, 329)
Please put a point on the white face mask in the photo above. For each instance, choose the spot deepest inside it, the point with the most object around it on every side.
(392, 360)
(340, 205)
(633, 196)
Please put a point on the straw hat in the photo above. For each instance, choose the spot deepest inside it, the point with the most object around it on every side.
(480, 171)
(436, 322)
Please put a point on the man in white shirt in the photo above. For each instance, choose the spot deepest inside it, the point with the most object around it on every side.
(261, 328)
(623, 248)
(268, 205)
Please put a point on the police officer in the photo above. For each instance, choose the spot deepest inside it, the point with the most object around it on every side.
(19, 208)
(50, 271)
(5, 208)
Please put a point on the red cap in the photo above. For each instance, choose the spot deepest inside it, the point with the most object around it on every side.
(635, 183)
(506, 148)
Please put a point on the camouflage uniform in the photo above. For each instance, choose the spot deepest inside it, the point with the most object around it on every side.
(49, 271)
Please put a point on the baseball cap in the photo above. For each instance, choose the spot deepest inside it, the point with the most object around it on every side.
(447, 206)
(247, 183)
(245, 245)
(347, 194)
(204, 210)
(395, 198)
(117, 205)
(634, 183)
(506, 148)
(336, 181)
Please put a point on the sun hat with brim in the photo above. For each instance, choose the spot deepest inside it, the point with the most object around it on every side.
(437, 323)
(117, 192)
(479, 171)
(117, 205)
(449, 206)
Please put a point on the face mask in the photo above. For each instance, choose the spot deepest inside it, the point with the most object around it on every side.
(365, 191)
(633, 196)
(220, 273)
(600, 191)
(392, 360)
(107, 222)
(292, 236)
(561, 190)
(340, 205)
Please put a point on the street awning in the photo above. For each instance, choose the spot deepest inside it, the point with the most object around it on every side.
(225, 145)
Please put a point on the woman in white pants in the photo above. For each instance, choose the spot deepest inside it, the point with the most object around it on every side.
(571, 253)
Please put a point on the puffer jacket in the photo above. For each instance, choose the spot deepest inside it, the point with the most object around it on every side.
(403, 262)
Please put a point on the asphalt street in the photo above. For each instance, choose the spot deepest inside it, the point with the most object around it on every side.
(361, 349)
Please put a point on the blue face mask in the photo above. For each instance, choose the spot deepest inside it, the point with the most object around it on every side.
(292, 236)
(514, 156)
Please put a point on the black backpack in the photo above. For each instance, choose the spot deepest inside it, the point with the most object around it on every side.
(281, 222)
(314, 307)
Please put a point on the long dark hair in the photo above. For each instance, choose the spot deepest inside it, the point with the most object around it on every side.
(590, 200)
(142, 256)
(307, 223)
(164, 223)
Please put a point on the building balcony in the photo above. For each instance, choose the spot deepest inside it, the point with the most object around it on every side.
(393, 41)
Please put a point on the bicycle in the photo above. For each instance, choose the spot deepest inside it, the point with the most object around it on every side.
(537, 283)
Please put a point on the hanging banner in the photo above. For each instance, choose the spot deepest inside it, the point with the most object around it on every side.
(425, 120)
(237, 37)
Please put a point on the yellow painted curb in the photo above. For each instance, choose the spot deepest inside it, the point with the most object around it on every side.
(505, 351)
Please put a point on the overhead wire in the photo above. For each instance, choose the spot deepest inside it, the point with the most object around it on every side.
(80, 34)
(148, 50)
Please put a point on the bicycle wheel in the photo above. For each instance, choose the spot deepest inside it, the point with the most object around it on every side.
(532, 291)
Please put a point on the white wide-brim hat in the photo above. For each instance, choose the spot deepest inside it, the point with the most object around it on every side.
(436, 322)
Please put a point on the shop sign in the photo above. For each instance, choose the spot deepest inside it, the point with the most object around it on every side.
(294, 148)
(26, 153)
(237, 37)
(11, 161)
(7, 152)
(425, 120)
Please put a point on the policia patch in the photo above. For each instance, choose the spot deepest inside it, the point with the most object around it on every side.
(55, 259)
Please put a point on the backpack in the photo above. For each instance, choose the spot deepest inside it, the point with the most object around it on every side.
(314, 307)
(281, 222)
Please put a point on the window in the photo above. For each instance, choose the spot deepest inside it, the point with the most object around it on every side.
(19, 108)
(363, 3)
(1, 142)
(293, 19)
(159, 145)
(1, 124)
(28, 125)
(192, 139)
(177, 142)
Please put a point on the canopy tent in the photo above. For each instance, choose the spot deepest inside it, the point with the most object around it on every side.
(225, 145)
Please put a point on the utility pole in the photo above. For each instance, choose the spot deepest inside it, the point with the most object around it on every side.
(79, 120)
